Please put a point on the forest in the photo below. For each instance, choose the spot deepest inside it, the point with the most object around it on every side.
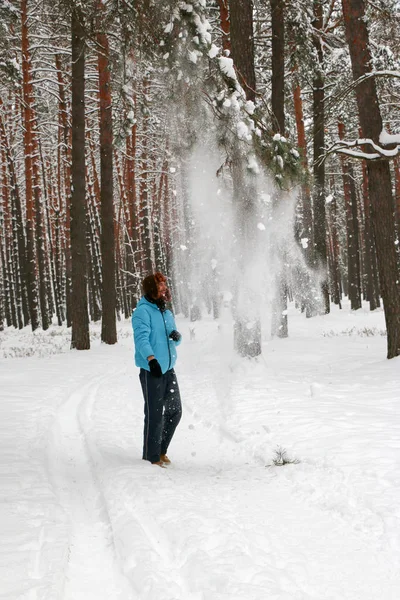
(248, 149)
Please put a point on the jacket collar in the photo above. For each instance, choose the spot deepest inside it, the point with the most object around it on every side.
(160, 303)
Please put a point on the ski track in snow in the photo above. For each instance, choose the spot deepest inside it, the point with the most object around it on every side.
(146, 553)
(92, 572)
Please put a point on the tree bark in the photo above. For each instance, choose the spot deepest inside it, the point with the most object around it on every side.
(307, 227)
(40, 239)
(247, 328)
(18, 237)
(396, 166)
(278, 66)
(159, 251)
(31, 271)
(225, 24)
(8, 264)
(108, 291)
(279, 318)
(79, 305)
(53, 223)
(352, 228)
(320, 251)
(379, 180)
(66, 170)
(131, 181)
(307, 221)
(371, 266)
(146, 263)
(336, 282)
(94, 254)
(242, 43)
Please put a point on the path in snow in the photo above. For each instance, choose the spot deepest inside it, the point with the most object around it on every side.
(92, 572)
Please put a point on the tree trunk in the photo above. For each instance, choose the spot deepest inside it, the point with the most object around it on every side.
(379, 180)
(127, 235)
(225, 24)
(146, 263)
(396, 166)
(159, 251)
(247, 328)
(41, 241)
(47, 233)
(79, 307)
(305, 228)
(8, 265)
(66, 152)
(336, 293)
(132, 218)
(52, 214)
(242, 42)
(352, 228)
(320, 253)
(279, 317)
(3, 293)
(31, 272)
(369, 245)
(18, 236)
(108, 292)
(94, 255)
(278, 66)
(307, 221)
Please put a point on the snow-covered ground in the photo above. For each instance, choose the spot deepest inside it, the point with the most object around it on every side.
(84, 518)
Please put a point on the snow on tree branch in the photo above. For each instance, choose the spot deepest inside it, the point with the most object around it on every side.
(379, 153)
(336, 99)
(187, 44)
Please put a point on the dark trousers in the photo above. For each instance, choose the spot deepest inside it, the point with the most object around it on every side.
(162, 412)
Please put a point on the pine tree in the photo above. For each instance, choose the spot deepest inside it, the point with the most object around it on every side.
(79, 309)
(108, 297)
(379, 180)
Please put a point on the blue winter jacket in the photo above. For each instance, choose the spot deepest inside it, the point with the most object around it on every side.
(151, 328)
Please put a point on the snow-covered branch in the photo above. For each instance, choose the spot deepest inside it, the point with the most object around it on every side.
(377, 151)
(186, 45)
(335, 99)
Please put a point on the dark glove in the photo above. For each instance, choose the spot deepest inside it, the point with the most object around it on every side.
(175, 335)
(155, 368)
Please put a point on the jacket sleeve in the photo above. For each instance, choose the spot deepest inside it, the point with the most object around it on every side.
(174, 328)
(141, 332)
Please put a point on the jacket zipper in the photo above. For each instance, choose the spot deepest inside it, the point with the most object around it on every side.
(166, 333)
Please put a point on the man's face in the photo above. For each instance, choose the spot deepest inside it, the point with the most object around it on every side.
(161, 288)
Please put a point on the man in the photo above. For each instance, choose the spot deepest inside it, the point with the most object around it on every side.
(155, 337)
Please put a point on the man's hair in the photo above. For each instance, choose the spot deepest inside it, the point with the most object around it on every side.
(149, 285)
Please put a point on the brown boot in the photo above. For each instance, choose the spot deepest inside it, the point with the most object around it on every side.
(164, 458)
(159, 463)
